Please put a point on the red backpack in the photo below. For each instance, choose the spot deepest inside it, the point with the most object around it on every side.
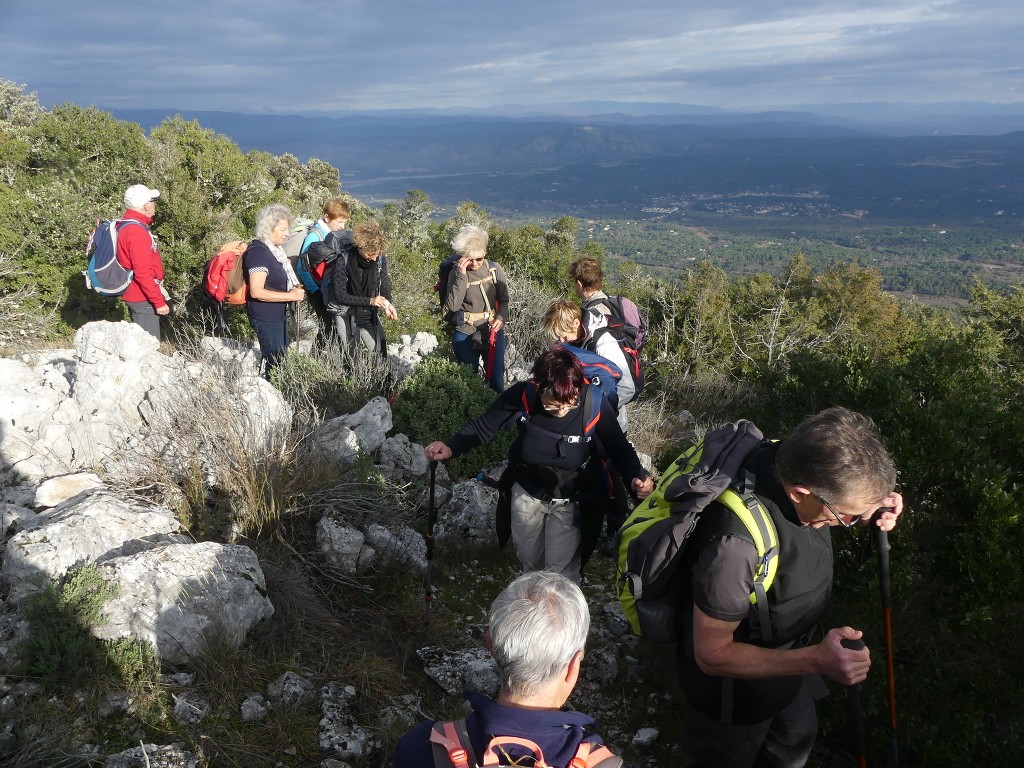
(453, 749)
(224, 278)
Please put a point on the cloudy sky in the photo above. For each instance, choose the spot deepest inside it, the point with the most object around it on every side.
(257, 56)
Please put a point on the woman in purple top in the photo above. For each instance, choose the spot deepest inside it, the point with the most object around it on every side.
(272, 284)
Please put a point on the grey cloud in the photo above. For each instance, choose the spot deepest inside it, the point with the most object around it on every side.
(230, 54)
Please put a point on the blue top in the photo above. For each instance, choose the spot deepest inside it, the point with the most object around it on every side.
(317, 233)
(556, 732)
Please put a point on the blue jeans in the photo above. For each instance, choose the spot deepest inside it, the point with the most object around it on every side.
(464, 353)
(273, 339)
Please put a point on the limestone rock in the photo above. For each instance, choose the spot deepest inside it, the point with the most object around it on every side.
(339, 732)
(153, 756)
(467, 520)
(400, 458)
(288, 690)
(409, 352)
(56, 490)
(341, 543)
(342, 439)
(182, 597)
(87, 528)
(455, 671)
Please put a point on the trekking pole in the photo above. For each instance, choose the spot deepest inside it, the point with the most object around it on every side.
(428, 595)
(293, 310)
(882, 548)
(856, 711)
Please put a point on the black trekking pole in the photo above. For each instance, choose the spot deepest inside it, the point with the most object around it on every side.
(293, 310)
(856, 711)
(428, 595)
(882, 548)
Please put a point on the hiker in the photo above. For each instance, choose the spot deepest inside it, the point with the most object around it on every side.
(476, 304)
(596, 314)
(335, 216)
(272, 284)
(136, 250)
(750, 700)
(553, 462)
(361, 289)
(536, 633)
(563, 324)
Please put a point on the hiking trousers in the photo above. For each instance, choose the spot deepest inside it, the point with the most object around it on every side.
(545, 534)
(144, 315)
(784, 741)
(463, 350)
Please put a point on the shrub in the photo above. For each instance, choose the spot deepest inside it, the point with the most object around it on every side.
(60, 650)
(436, 400)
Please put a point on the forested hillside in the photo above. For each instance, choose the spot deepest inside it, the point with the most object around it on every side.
(944, 388)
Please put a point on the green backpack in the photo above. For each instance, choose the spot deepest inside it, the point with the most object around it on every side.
(652, 541)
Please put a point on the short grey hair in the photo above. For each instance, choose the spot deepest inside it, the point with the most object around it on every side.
(471, 241)
(837, 454)
(268, 218)
(537, 624)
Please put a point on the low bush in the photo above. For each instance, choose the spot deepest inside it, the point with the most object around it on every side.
(436, 400)
(60, 651)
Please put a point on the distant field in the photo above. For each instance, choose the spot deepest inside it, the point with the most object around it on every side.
(932, 262)
(929, 214)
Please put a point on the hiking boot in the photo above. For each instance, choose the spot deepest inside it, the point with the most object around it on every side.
(608, 548)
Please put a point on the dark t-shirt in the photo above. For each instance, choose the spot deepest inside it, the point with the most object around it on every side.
(258, 258)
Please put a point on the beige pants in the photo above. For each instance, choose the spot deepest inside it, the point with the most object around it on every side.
(544, 535)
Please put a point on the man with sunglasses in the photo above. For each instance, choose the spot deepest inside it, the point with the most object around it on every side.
(750, 689)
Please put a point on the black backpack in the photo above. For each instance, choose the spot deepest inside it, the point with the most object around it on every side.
(629, 330)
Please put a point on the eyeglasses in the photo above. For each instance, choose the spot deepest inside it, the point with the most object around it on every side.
(837, 515)
(550, 404)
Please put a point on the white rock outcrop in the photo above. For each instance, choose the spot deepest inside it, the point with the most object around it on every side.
(185, 598)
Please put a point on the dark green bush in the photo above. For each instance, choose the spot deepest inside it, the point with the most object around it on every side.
(60, 650)
(436, 400)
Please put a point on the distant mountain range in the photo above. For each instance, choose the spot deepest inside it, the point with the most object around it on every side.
(894, 158)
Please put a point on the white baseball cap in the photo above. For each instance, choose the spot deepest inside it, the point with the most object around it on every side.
(137, 195)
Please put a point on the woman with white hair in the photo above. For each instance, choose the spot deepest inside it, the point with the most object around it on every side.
(476, 304)
(272, 283)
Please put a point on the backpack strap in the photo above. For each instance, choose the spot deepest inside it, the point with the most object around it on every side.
(451, 745)
(590, 756)
(761, 527)
(122, 223)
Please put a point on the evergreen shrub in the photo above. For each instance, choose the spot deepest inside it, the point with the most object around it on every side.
(441, 396)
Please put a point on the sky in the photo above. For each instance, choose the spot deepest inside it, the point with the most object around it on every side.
(290, 57)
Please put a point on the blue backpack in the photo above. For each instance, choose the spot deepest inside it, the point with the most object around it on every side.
(104, 274)
(600, 372)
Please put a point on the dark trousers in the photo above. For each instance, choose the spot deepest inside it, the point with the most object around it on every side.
(143, 314)
(465, 353)
(273, 338)
(326, 330)
(784, 741)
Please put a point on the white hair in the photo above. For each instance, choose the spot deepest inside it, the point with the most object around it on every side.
(269, 217)
(537, 624)
(470, 241)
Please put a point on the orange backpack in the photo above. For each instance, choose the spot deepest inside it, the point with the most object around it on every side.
(452, 749)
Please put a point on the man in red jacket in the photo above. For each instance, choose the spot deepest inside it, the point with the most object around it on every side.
(137, 251)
